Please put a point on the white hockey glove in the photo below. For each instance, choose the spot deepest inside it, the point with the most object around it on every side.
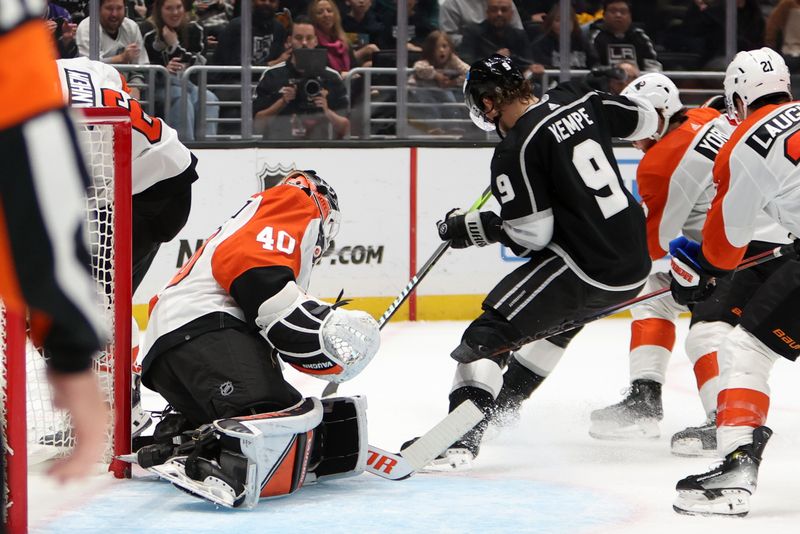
(317, 338)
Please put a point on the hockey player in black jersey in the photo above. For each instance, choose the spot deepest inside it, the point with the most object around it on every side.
(563, 205)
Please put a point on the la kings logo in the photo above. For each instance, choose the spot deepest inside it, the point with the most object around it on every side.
(270, 175)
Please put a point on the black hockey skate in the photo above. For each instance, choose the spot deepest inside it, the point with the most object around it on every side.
(636, 416)
(697, 440)
(519, 383)
(726, 489)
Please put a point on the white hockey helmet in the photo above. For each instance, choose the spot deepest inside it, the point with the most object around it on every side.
(661, 92)
(754, 74)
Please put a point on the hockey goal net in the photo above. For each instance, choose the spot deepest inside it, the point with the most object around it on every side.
(34, 431)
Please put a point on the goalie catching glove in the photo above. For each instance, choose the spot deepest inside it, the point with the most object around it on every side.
(318, 338)
(479, 228)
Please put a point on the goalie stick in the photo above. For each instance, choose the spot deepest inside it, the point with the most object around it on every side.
(332, 387)
(399, 466)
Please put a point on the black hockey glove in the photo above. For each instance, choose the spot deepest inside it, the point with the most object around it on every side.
(690, 282)
(467, 229)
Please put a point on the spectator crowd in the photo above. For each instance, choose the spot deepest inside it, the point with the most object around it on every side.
(303, 95)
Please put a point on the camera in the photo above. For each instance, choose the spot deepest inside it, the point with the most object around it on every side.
(59, 27)
(599, 78)
(307, 90)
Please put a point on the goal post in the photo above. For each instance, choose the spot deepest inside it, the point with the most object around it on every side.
(30, 424)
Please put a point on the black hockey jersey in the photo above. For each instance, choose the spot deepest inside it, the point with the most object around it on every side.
(559, 186)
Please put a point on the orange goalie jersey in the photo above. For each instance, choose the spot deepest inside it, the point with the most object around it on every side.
(269, 242)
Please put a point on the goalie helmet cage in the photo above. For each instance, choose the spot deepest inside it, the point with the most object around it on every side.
(105, 134)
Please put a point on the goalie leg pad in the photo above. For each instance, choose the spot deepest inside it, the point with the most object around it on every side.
(340, 444)
(239, 460)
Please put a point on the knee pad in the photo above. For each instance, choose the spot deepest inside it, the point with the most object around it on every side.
(663, 308)
(483, 374)
(539, 357)
(744, 362)
(704, 338)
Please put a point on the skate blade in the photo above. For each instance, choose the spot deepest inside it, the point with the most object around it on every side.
(724, 502)
(642, 429)
(173, 471)
(692, 448)
(452, 460)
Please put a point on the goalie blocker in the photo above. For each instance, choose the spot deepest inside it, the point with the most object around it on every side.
(237, 461)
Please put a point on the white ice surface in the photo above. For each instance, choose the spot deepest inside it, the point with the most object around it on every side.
(544, 475)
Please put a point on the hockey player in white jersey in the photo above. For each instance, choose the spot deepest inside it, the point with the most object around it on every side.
(755, 170)
(676, 186)
(162, 172)
(163, 169)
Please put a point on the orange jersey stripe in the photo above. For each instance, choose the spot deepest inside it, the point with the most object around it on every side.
(717, 250)
(742, 407)
(706, 368)
(657, 168)
(659, 332)
(29, 82)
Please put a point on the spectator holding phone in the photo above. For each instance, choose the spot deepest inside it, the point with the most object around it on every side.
(59, 22)
(177, 43)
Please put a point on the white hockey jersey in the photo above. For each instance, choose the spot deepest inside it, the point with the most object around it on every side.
(756, 170)
(276, 228)
(158, 154)
(676, 183)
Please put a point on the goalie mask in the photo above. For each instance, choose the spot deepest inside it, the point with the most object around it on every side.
(661, 92)
(755, 74)
(494, 77)
(326, 200)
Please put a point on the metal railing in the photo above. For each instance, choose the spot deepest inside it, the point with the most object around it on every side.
(372, 101)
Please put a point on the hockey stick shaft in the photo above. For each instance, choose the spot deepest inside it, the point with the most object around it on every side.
(752, 261)
(332, 387)
(423, 271)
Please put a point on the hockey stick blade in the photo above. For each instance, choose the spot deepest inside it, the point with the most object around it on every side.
(331, 388)
(399, 466)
